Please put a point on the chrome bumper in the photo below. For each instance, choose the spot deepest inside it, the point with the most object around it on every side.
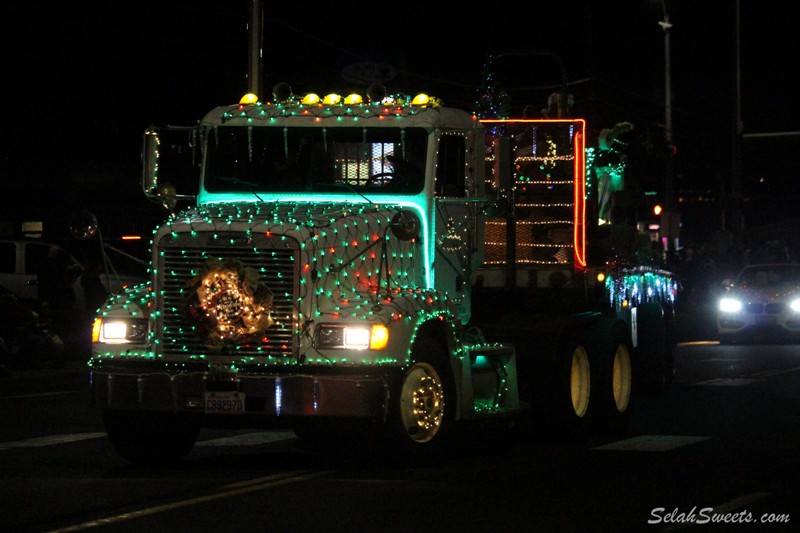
(265, 394)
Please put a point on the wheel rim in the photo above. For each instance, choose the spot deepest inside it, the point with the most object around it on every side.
(422, 402)
(621, 378)
(580, 381)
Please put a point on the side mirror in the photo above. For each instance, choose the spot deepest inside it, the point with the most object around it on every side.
(170, 153)
(150, 152)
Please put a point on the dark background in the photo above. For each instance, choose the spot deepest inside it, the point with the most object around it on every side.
(83, 81)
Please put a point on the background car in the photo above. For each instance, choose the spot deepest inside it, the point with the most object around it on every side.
(761, 305)
(20, 260)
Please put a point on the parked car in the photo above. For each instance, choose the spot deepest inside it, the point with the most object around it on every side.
(761, 305)
(20, 260)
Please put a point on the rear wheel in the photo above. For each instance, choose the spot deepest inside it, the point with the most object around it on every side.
(564, 398)
(150, 437)
(613, 378)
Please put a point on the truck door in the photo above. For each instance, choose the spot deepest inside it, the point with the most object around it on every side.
(458, 203)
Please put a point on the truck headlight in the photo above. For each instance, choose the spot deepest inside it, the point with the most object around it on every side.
(372, 336)
(119, 330)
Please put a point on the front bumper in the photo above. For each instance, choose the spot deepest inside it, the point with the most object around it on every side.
(758, 328)
(295, 394)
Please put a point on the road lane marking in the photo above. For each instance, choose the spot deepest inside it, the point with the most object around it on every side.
(729, 382)
(50, 440)
(651, 443)
(777, 372)
(234, 489)
(756, 377)
(40, 395)
(250, 439)
(697, 343)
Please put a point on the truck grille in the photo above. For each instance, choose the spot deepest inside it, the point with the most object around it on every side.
(181, 260)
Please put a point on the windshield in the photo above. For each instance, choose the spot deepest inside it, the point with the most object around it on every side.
(770, 275)
(274, 159)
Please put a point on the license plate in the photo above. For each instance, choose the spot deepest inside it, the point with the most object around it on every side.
(224, 402)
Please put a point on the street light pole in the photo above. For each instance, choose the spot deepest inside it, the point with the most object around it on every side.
(669, 200)
(736, 177)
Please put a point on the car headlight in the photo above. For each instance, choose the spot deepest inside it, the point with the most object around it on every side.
(119, 330)
(795, 305)
(730, 305)
(370, 336)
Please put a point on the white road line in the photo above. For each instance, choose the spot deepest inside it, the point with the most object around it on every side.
(651, 443)
(40, 395)
(254, 485)
(729, 382)
(777, 372)
(248, 439)
(50, 440)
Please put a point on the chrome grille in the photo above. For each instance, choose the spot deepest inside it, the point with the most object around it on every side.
(184, 257)
(755, 308)
(772, 308)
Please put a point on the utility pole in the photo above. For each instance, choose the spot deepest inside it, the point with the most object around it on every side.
(669, 171)
(736, 174)
(254, 75)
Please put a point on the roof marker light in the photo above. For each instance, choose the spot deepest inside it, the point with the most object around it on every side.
(249, 99)
(421, 99)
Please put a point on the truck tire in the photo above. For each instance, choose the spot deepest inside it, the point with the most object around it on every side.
(651, 358)
(151, 438)
(563, 399)
(423, 411)
(612, 385)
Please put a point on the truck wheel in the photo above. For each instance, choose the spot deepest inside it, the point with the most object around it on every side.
(424, 408)
(151, 438)
(652, 367)
(563, 399)
(613, 378)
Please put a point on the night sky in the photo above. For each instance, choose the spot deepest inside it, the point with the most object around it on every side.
(84, 79)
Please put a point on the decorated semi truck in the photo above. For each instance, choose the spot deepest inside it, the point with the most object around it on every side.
(374, 266)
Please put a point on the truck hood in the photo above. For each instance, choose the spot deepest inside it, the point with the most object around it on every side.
(303, 221)
(344, 238)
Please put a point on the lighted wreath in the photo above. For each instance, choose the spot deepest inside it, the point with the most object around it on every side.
(229, 303)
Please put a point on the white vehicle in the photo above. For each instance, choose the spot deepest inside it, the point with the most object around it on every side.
(761, 305)
(20, 259)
